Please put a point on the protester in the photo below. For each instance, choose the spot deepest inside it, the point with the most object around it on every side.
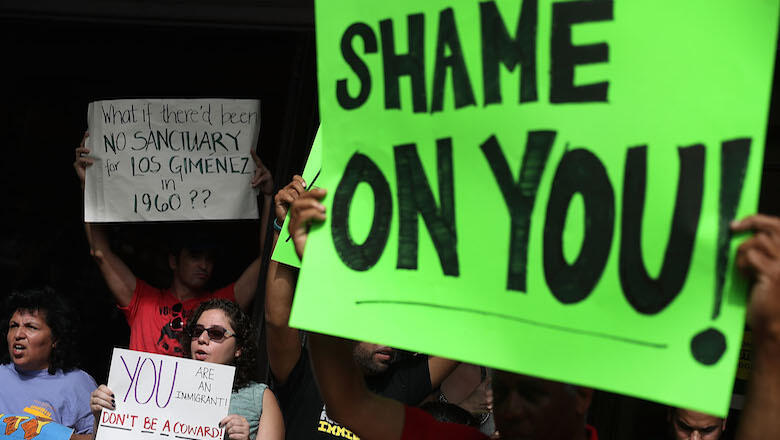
(759, 258)
(538, 409)
(219, 332)
(38, 375)
(687, 424)
(305, 415)
(157, 316)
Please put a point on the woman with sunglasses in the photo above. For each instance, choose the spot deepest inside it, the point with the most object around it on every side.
(219, 332)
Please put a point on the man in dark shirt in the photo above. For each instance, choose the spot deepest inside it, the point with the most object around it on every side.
(305, 415)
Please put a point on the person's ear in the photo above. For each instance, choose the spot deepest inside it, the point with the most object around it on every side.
(723, 425)
(172, 261)
(238, 353)
(584, 398)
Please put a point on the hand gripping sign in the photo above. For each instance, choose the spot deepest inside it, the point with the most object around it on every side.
(542, 186)
(165, 397)
(171, 159)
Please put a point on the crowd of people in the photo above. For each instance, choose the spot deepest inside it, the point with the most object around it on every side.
(323, 387)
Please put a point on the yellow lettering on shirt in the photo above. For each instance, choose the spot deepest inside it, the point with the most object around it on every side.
(336, 430)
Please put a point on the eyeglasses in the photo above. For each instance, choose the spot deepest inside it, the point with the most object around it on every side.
(216, 333)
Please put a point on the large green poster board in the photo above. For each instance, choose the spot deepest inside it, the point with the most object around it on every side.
(284, 251)
(542, 187)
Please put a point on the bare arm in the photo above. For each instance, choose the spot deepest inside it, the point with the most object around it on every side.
(246, 285)
(283, 342)
(759, 256)
(339, 379)
(440, 368)
(119, 278)
(264, 180)
(344, 391)
(271, 423)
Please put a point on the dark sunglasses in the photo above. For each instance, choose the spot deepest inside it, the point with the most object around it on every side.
(216, 333)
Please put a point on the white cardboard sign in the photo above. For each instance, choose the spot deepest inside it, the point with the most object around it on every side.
(165, 397)
(171, 159)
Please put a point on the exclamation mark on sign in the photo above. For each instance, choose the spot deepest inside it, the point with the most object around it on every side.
(709, 345)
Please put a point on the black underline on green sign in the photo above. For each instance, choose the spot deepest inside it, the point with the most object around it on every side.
(523, 320)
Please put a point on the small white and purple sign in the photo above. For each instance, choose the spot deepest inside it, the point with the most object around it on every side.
(165, 397)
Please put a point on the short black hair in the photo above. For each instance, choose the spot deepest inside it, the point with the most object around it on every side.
(195, 238)
(246, 338)
(58, 316)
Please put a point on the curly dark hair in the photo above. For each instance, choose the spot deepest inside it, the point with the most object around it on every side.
(59, 316)
(246, 339)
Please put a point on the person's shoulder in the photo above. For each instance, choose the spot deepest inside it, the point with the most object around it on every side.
(141, 286)
(254, 386)
(226, 292)
(79, 378)
(7, 369)
(145, 292)
(300, 388)
(258, 385)
(258, 389)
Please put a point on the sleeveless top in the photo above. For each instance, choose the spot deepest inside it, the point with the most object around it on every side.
(248, 403)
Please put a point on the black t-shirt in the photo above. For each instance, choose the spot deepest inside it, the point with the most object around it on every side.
(408, 381)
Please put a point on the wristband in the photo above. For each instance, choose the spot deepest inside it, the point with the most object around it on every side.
(277, 228)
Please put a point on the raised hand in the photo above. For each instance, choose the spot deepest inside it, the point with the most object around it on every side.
(262, 177)
(759, 258)
(286, 196)
(82, 160)
(100, 399)
(303, 210)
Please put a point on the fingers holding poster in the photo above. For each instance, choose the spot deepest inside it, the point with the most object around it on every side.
(543, 186)
(171, 159)
(164, 396)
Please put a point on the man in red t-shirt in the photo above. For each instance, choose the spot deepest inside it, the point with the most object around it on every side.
(157, 316)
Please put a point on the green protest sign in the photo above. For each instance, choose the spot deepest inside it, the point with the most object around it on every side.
(284, 252)
(542, 186)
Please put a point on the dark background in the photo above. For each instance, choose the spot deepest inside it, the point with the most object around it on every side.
(56, 59)
(58, 56)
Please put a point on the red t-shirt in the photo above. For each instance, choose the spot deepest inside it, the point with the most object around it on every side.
(156, 317)
(419, 425)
